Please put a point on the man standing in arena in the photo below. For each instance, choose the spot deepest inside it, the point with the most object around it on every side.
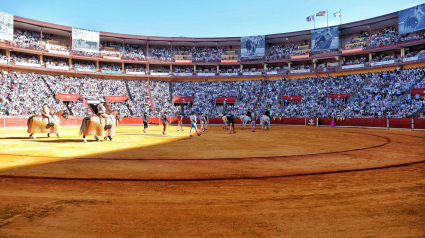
(267, 114)
(193, 124)
(164, 122)
(206, 120)
(46, 113)
(179, 121)
(231, 121)
(145, 122)
(253, 122)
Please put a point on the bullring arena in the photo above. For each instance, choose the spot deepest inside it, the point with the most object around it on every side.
(344, 155)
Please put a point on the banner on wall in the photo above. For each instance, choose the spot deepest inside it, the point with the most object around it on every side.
(85, 40)
(326, 38)
(411, 19)
(6, 26)
(253, 46)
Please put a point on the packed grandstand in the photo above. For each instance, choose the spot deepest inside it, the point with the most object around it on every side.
(374, 72)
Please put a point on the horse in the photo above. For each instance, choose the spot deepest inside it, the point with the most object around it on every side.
(244, 120)
(97, 126)
(39, 124)
(266, 123)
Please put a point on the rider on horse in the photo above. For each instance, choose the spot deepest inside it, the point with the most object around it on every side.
(46, 113)
(101, 112)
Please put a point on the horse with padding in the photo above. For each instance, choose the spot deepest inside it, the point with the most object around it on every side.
(99, 126)
(40, 124)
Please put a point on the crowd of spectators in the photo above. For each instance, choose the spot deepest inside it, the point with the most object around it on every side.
(84, 65)
(160, 53)
(383, 57)
(88, 88)
(27, 39)
(139, 102)
(55, 62)
(133, 52)
(135, 68)
(276, 52)
(377, 95)
(352, 60)
(110, 66)
(384, 37)
(24, 58)
(25, 94)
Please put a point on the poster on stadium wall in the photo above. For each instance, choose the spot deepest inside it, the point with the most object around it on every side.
(6, 26)
(253, 46)
(382, 63)
(85, 40)
(326, 38)
(206, 74)
(411, 19)
(353, 66)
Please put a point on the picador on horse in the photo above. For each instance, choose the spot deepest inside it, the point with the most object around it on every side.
(102, 124)
(46, 122)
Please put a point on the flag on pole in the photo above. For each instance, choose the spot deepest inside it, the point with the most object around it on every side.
(321, 14)
(310, 18)
(337, 14)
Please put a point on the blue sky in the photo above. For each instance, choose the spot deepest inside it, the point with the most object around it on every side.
(201, 18)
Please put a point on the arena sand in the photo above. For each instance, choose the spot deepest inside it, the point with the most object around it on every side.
(287, 182)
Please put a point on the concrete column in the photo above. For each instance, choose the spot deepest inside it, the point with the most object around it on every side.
(41, 60)
(370, 57)
(97, 65)
(122, 66)
(194, 68)
(402, 52)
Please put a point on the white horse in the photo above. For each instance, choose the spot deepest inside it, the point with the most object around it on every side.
(244, 120)
(266, 123)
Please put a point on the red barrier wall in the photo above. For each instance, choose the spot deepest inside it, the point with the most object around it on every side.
(354, 122)
(419, 123)
(401, 123)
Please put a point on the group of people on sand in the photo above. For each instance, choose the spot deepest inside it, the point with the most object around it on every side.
(228, 120)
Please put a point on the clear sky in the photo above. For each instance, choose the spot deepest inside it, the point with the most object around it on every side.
(199, 18)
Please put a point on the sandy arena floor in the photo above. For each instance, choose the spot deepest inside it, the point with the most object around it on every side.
(287, 182)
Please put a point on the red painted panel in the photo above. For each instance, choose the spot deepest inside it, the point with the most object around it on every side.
(116, 98)
(180, 99)
(292, 98)
(400, 123)
(228, 99)
(342, 95)
(68, 97)
(419, 123)
(421, 92)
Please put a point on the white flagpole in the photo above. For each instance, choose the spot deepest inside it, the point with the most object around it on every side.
(340, 16)
(327, 17)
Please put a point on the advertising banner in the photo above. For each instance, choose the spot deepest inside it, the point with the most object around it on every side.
(85, 40)
(353, 66)
(411, 19)
(253, 46)
(206, 74)
(111, 71)
(325, 38)
(382, 63)
(85, 69)
(138, 73)
(251, 73)
(6, 26)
